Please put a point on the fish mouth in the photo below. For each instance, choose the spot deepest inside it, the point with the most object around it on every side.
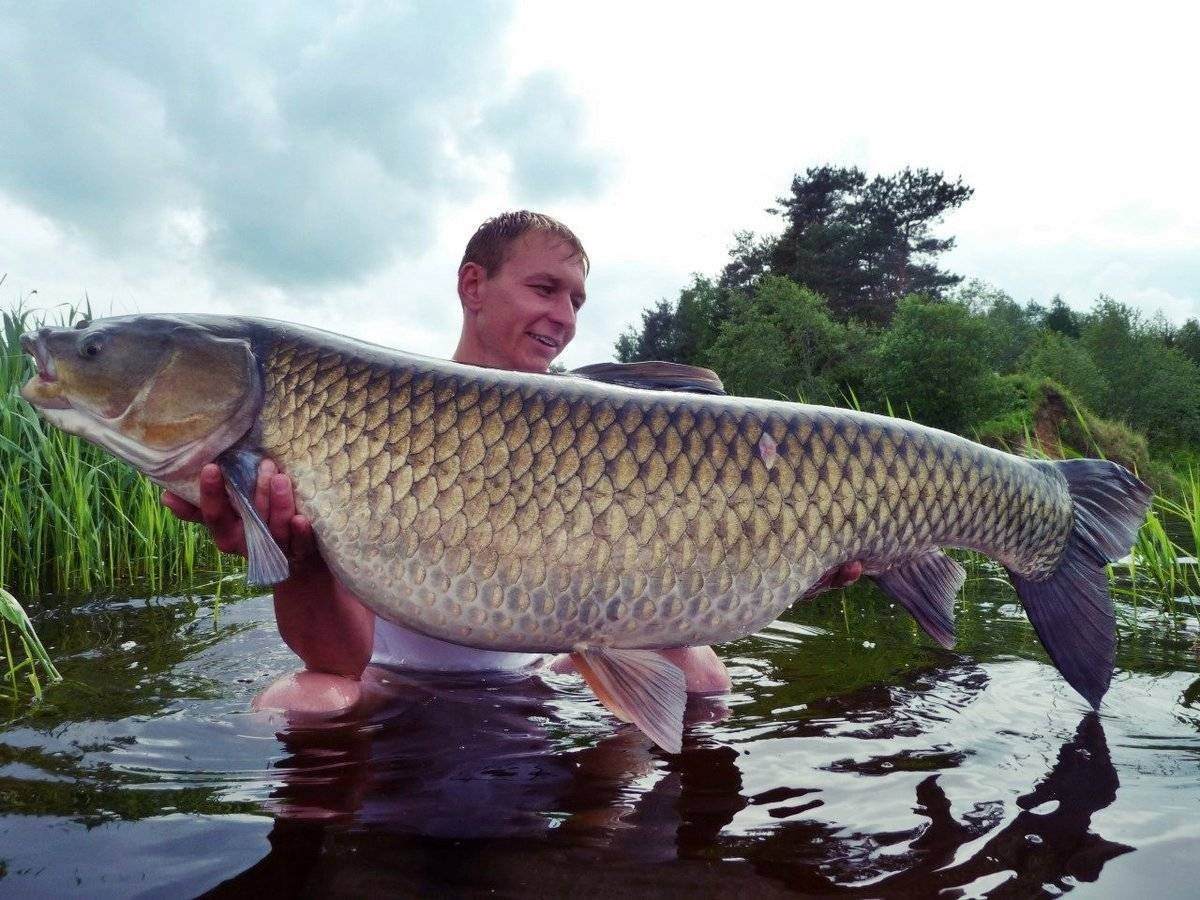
(35, 346)
(43, 388)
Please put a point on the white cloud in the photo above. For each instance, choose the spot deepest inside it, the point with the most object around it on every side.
(540, 127)
(302, 146)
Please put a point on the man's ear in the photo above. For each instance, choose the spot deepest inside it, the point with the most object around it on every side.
(470, 277)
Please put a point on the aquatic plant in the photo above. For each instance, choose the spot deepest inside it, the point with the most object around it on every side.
(1153, 566)
(32, 656)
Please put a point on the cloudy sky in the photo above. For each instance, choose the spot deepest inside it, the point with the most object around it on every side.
(326, 162)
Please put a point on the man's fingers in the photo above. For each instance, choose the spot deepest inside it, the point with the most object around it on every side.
(214, 504)
(180, 507)
(262, 487)
(282, 509)
(304, 542)
(217, 512)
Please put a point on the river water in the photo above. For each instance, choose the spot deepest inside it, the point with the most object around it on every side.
(853, 758)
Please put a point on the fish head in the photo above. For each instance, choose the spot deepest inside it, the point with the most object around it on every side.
(164, 393)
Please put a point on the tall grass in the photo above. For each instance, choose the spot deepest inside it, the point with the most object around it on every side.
(1157, 565)
(17, 634)
(72, 517)
(1162, 565)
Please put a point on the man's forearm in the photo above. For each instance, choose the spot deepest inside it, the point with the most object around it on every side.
(322, 623)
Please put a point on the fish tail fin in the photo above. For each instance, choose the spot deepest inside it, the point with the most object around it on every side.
(1071, 610)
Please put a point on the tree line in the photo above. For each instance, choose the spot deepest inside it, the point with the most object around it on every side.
(848, 306)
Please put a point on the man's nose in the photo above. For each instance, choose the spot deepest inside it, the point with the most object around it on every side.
(562, 311)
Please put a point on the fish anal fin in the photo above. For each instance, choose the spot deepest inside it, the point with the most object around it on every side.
(655, 376)
(926, 586)
(638, 686)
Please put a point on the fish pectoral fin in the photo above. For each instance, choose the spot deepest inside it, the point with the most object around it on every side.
(638, 686)
(266, 563)
(926, 586)
(655, 376)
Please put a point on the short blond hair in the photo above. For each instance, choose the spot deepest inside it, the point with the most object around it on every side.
(489, 245)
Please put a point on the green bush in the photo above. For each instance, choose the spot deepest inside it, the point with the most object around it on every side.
(933, 362)
(1046, 417)
(782, 342)
(1011, 328)
(1065, 361)
(1148, 384)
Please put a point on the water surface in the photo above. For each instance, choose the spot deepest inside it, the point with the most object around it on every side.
(854, 758)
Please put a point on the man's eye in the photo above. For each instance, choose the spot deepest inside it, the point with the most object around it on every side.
(543, 289)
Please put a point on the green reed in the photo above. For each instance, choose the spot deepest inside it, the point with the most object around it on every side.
(1161, 567)
(1186, 509)
(1156, 569)
(72, 517)
(24, 654)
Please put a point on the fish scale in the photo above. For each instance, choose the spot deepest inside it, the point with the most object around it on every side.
(503, 514)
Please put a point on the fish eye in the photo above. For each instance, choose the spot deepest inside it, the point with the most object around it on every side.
(90, 347)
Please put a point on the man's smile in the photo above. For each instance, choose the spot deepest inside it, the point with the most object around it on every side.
(542, 339)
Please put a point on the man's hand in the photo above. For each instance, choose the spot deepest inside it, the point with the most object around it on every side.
(272, 498)
(323, 623)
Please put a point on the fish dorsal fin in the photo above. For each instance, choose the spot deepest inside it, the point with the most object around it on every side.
(655, 376)
(638, 686)
(926, 586)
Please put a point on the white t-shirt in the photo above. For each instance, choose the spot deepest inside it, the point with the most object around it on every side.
(397, 647)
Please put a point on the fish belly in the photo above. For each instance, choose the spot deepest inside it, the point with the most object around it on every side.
(534, 513)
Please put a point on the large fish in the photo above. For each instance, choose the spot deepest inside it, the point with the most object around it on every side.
(512, 511)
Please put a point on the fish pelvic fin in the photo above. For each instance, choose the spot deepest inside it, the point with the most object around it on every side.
(266, 563)
(926, 586)
(638, 686)
(1071, 610)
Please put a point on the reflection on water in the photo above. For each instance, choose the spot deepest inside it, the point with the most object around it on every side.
(463, 766)
(852, 758)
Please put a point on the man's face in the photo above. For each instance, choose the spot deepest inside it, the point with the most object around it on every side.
(525, 311)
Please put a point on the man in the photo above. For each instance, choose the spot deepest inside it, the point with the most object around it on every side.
(521, 285)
